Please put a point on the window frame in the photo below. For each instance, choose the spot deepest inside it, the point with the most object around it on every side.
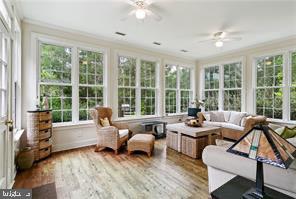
(233, 89)
(287, 67)
(178, 89)
(221, 88)
(290, 82)
(37, 39)
(255, 59)
(138, 87)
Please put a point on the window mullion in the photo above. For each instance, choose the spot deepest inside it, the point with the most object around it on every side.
(75, 85)
(178, 92)
(286, 84)
(221, 86)
(138, 87)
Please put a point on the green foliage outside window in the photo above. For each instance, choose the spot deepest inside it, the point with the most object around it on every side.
(55, 78)
(269, 92)
(148, 83)
(232, 86)
(211, 88)
(91, 78)
(126, 86)
(293, 88)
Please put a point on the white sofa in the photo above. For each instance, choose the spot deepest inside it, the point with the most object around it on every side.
(223, 166)
(234, 124)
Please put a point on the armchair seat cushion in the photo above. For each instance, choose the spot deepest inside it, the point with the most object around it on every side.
(232, 126)
(123, 133)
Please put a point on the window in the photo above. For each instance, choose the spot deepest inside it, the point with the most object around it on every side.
(232, 86)
(293, 87)
(58, 82)
(126, 86)
(211, 91)
(185, 88)
(178, 91)
(224, 79)
(3, 75)
(91, 82)
(148, 87)
(55, 80)
(136, 86)
(269, 89)
(170, 89)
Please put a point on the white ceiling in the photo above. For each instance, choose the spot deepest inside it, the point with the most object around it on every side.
(184, 22)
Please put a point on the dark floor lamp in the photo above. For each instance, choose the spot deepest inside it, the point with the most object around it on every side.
(265, 146)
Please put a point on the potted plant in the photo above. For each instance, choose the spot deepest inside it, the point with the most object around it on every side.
(197, 103)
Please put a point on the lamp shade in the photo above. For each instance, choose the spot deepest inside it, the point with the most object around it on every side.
(265, 145)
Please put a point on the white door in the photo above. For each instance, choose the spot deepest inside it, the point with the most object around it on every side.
(6, 123)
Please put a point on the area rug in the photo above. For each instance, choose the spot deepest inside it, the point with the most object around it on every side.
(47, 191)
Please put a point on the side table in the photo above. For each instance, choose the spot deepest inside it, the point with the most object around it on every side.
(238, 185)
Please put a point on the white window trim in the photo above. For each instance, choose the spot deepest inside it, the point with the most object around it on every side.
(178, 89)
(38, 38)
(221, 88)
(287, 67)
(137, 86)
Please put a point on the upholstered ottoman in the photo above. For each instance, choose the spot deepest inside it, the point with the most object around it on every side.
(141, 142)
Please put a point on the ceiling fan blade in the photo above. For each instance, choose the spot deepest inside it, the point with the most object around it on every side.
(132, 2)
(154, 15)
(206, 40)
(129, 14)
(232, 39)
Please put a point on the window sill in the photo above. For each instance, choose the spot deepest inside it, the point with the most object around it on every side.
(278, 121)
(139, 118)
(71, 125)
(136, 118)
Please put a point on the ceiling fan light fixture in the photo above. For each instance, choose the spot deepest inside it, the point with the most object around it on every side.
(219, 44)
(140, 13)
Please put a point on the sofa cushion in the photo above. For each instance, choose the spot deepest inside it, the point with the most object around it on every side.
(226, 115)
(217, 116)
(217, 157)
(232, 126)
(210, 123)
(292, 141)
(123, 132)
(236, 117)
(224, 143)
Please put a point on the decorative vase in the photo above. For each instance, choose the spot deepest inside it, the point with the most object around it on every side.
(25, 159)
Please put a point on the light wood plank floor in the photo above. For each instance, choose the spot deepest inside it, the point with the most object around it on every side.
(83, 173)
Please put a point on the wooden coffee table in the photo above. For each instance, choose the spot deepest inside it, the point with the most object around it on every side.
(194, 132)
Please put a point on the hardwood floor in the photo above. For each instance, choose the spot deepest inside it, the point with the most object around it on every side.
(83, 173)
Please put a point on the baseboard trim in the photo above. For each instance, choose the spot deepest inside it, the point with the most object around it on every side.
(73, 145)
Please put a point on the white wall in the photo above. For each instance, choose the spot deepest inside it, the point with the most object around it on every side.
(247, 55)
(68, 137)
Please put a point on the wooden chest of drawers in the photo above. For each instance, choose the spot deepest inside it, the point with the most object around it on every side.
(39, 132)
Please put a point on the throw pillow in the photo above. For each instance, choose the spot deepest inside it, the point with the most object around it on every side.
(244, 120)
(289, 133)
(236, 117)
(105, 122)
(280, 130)
(217, 116)
(207, 116)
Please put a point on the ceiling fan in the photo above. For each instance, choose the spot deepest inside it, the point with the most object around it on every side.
(220, 37)
(141, 10)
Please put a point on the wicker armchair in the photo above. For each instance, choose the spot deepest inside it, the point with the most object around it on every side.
(112, 136)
